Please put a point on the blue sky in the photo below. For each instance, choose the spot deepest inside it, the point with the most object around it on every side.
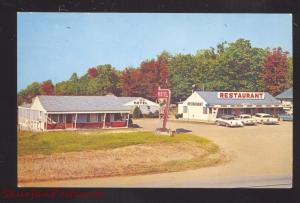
(54, 45)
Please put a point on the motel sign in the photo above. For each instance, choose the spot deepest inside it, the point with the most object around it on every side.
(163, 96)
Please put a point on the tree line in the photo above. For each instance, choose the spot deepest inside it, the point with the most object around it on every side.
(236, 66)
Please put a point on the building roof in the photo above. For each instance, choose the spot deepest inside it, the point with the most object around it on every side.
(287, 94)
(211, 98)
(83, 103)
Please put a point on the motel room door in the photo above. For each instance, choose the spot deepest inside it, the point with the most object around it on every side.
(107, 120)
(69, 121)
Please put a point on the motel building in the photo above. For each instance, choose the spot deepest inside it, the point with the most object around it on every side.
(75, 112)
(209, 105)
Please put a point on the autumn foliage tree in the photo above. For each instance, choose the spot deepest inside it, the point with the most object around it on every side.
(145, 80)
(92, 72)
(153, 74)
(47, 87)
(275, 71)
(130, 82)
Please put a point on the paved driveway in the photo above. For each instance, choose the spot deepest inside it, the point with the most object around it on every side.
(262, 152)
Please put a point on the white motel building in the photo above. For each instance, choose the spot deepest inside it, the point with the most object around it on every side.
(75, 112)
(209, 105)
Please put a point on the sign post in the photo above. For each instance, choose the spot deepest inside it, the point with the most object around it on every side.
(164, 97)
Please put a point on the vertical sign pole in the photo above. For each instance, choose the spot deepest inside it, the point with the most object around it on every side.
(166, 95)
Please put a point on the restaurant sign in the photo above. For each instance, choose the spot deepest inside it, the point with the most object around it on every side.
(241, 95)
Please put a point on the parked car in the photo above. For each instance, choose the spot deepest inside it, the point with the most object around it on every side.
(264, 118)
(247, 119)
(229, 121)
(286, 117)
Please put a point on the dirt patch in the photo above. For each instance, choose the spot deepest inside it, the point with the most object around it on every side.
(130, 160)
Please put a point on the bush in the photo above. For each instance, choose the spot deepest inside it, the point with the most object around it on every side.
(137, 112)
(152, 115)
(178, 115)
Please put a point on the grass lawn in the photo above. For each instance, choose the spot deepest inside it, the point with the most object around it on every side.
(110, 153)
(69, 141)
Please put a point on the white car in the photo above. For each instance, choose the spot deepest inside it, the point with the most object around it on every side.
(247, 119)
(264, 118)
(229, 121)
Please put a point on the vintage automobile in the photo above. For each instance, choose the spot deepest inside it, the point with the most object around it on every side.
(264, 118)
(247, 119)
(286, 117)
(229, 121)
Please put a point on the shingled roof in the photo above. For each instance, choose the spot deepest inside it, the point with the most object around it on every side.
(83, 103)
(211, 98)
(287, 94)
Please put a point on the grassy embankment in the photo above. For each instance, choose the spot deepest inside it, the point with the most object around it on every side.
(67, 141)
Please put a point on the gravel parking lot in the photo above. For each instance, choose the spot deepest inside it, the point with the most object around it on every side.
(256, 151)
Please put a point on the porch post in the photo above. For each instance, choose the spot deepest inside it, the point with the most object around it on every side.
(46, 121)
(104, 120)
(127, 120)
(65, 120)
(75, 120)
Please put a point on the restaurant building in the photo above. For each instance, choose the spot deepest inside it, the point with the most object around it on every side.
(209, 105)
(73, 112)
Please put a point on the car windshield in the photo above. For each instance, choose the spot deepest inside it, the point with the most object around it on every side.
(228, 118)
(267, 116)
(246, 116)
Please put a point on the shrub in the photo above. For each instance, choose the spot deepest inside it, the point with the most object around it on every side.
(178, 115)
(152, 115)
(137, 112)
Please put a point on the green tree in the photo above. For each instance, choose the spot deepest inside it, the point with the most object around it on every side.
(106, 81)
(239, 66)
(137, 112)
(30, 92)
(182, 75)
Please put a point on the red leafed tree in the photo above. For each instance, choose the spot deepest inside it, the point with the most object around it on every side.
(130, 82)
(92, 72)
(144, 81)
(47, 87)
(154, 73)
(275, 71)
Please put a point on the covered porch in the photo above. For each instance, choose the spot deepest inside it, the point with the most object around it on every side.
(83, 120)
(274, 111)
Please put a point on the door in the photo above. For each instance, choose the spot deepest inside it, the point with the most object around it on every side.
(107, 120)
(69, 121)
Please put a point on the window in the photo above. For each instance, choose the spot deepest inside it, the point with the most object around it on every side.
(100, 117)
(61, 118)
(204, 110)
(210, 110)
(185, 109)
(148, 107)
(57, 118)
(93, 118)
(118, 117)
(81, 118)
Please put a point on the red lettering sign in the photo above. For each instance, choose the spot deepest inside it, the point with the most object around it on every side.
(241, 95)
